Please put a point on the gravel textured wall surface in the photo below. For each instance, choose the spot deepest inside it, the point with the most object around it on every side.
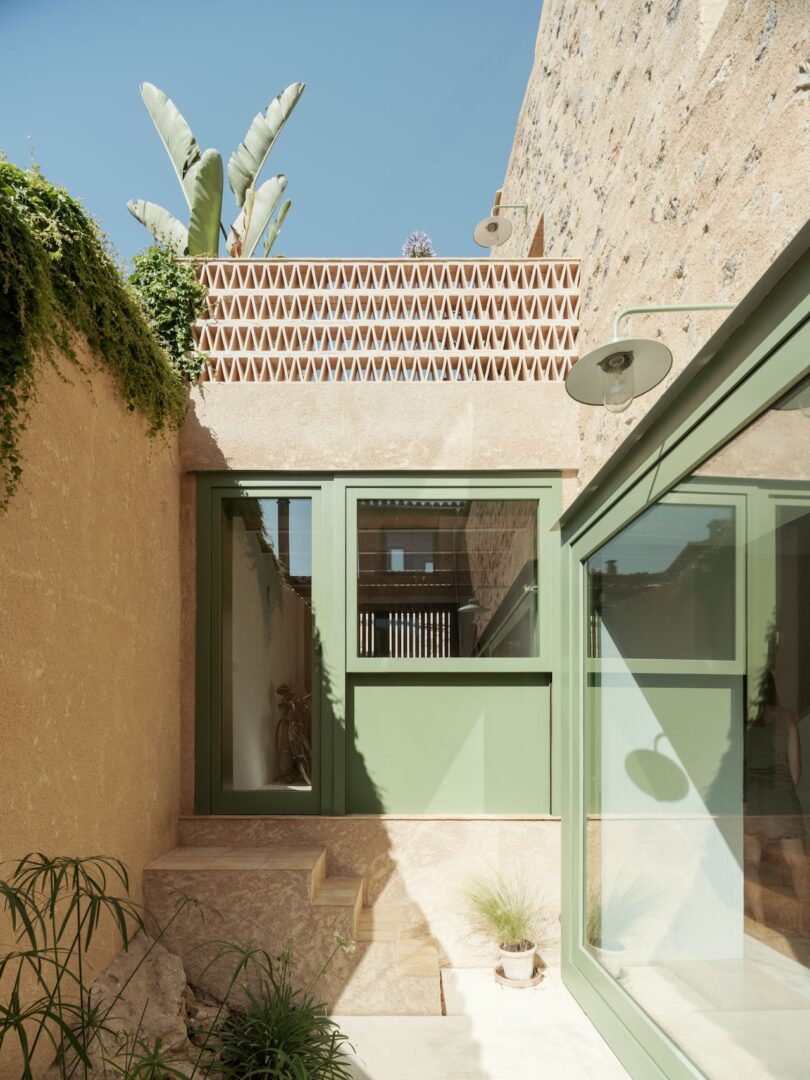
(666, 143)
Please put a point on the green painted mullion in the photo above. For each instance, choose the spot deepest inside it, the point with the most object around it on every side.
(451, 665)
(215, 674)
(629, 1031)
(202, 680)
(337, 667)
(549, 616)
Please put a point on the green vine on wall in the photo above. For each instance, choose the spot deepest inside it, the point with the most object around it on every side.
(173, 300)
(58, 277)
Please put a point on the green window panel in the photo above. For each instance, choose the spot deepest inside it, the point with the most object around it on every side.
(449, 744)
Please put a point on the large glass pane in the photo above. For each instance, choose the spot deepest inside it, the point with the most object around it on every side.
(677, 558)
(440, 578)
(697, 885)
(266, 644)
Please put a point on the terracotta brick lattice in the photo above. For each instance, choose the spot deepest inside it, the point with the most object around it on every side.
(431, 320)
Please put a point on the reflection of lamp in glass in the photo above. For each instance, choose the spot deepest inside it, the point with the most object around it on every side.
(471, 607)
(657, 775)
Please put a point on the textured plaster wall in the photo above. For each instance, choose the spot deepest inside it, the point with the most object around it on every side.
(321, 427)
(666, 143)
(89, 668)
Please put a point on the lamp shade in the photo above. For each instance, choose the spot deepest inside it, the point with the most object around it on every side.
(650, 362)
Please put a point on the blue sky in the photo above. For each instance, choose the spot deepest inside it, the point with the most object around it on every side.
(406, 122)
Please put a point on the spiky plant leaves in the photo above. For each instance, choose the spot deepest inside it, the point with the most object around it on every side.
(175, 134)
(247, 161)
(165, 228)
(274, 228)
(246, 231)
(206, 206)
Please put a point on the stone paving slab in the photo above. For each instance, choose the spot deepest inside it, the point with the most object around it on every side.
(489, 1033)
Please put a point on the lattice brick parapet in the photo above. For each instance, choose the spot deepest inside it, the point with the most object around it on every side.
(361, 320)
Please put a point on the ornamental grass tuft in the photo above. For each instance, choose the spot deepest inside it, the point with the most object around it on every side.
(282, 1033)
(506, 909)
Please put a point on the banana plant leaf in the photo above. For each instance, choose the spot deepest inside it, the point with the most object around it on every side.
(181, 146)
(206, 206)
(246, 231)
(247, 160)
(165, 228)
(274, 228)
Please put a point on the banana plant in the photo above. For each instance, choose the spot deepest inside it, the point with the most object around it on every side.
(200, 173)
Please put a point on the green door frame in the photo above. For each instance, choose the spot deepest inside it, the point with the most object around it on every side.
(334, 583)
(763, 353)
(211, 491)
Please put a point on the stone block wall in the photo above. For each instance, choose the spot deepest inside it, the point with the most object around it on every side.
(666, 144)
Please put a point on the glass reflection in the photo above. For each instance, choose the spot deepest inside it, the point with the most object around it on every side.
(697, 887)
(266, 644)
(444, 578)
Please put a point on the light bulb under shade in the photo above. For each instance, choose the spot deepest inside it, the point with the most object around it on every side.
(585, 381)
(492, 232)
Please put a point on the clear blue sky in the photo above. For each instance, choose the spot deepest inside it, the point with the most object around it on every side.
(406, 122)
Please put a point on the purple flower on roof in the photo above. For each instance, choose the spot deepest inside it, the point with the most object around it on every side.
(418, 246)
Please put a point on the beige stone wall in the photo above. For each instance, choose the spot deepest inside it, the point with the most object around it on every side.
(665, 143)
(89, 668)
(361, 426)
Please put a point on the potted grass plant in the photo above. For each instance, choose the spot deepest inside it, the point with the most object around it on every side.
(507, 910)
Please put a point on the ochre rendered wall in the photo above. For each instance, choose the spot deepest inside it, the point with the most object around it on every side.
(90, 659)
(665, 145)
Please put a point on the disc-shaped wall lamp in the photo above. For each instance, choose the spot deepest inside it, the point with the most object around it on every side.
(496, 230)
(625, 368)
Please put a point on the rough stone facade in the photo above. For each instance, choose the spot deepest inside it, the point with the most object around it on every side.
(666, 144)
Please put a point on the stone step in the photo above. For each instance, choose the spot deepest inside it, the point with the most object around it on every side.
(379, 923)
(418, 956)
(267, 894)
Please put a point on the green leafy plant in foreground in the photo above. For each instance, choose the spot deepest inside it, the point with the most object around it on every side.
(57, 906)
(506, 909)
(282, 1033)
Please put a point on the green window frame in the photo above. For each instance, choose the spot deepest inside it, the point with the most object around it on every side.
(762, 354)
(334, 575)
(547, 494)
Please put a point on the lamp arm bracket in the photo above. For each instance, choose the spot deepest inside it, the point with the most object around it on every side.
(509, 206)
(652, 309)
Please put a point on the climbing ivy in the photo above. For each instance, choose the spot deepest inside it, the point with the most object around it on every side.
(173, 299)
(58, 277)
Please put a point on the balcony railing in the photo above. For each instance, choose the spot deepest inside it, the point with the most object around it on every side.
(381, 320)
